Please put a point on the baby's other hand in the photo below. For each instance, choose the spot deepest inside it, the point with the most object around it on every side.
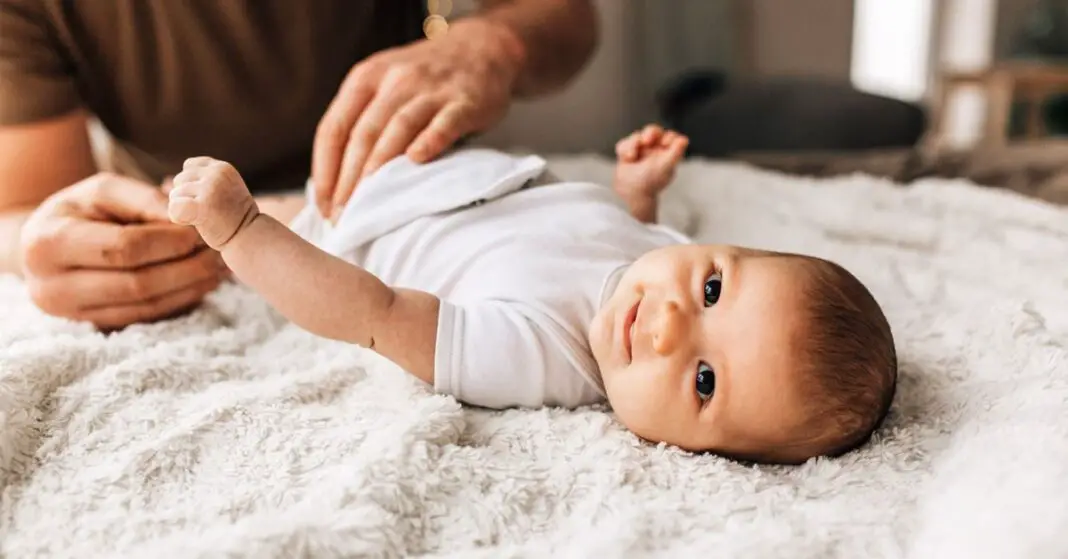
(211, 196)
(647, 160)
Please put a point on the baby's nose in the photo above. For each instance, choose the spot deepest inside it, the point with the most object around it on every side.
(670, 328)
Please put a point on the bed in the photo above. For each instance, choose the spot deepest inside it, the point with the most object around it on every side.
(229, 432)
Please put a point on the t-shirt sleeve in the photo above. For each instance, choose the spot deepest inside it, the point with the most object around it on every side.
(495, 355)
(36, 79)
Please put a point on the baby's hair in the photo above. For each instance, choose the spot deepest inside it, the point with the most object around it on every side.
(849, 360)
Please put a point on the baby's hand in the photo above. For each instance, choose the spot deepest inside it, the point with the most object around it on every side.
(647, 160)
(211, 196)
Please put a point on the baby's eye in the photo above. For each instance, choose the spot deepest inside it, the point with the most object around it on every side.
(713, 285)
(706, 381)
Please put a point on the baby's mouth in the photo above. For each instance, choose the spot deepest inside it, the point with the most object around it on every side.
(628, 328)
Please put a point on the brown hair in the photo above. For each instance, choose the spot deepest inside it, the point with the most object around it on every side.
(848, 367)
(849, 360)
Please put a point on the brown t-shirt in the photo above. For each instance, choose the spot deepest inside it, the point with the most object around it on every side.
(245, 81)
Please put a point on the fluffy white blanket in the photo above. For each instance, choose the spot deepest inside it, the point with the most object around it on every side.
(231, 433)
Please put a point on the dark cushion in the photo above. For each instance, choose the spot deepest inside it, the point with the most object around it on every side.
(784, 114)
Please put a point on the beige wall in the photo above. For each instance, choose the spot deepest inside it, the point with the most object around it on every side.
(589, 114)
(789, 37)
(806, 37)
(1010, 14)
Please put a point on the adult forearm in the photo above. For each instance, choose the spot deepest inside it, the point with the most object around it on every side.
(10, 236)
(556, 39)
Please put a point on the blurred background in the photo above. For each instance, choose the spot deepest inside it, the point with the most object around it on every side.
(903, 88)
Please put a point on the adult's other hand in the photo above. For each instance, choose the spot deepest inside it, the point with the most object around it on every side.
(416, 100)
(104, 251)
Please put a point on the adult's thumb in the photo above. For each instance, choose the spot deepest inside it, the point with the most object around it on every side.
(128, 200)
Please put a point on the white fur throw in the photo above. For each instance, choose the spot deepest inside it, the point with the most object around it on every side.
(229, 433)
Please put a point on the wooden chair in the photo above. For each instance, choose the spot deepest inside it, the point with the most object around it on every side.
(1003, 85)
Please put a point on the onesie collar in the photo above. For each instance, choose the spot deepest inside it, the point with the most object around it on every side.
(611, 282)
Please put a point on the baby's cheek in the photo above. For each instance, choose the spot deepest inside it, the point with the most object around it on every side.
(653, 387)
(597, 339)
(634, 410)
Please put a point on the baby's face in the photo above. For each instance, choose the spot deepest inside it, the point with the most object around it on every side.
(696, 348)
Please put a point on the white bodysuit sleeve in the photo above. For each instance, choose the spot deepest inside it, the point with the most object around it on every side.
(499, 355)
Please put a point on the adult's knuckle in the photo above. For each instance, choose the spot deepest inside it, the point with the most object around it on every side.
(123, 249)
(115, 254)
(136, 287)
(36, 253)
(364, 87)
(406, 118)
(361, 81)
(45, 297)
(41, 245)
(207, 265)
(363, 134)
(93, 186)
(360, 72)
(464, 103)
(436, 136)
(107, 182)
(401, 75)
(332, 130)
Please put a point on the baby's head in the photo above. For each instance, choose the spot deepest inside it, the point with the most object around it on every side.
(758, 356)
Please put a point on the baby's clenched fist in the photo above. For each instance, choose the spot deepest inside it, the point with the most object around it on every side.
(646, 160)
(211, 196)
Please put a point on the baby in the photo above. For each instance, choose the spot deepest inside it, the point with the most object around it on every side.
(491, 280)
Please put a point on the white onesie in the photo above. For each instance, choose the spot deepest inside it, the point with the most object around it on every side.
(520, 264)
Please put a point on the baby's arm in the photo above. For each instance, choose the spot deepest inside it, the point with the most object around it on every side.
(646, 164)
(317, 291)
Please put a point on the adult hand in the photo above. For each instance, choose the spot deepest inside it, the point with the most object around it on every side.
(416, 100)
(104, 251)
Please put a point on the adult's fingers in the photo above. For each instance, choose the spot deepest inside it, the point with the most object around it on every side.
(332, 135)
(68, 243)
(365, 135)
(79, 291)
(166, 306)
(450, 124)
(151, 282)
(402, 129)
(114, 198)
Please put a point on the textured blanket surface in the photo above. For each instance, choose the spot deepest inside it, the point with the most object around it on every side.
(229, 432)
